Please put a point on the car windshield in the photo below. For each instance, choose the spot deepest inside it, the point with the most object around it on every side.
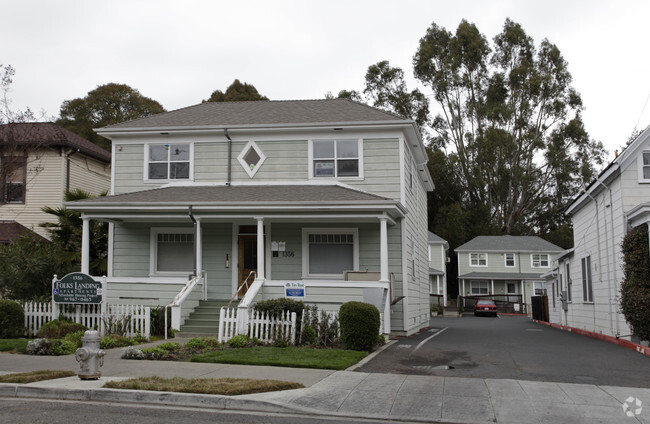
(484, 302)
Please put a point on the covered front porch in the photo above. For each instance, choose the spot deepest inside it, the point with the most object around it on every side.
(521, 285)
(245, 253)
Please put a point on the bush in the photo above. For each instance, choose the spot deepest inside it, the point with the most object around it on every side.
(157, 316)
(359, 325)
(74, 339)
(196, 343)
(132, 352)
(114, 340)
(325, 327)
(635, 289)
(240, 340)
(58, 329)
(39, 347)
(308, 335)
(12, 319)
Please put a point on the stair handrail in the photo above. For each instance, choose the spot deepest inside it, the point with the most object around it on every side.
(181, 296)
(245, 283)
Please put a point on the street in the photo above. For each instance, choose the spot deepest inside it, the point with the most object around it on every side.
(511, 347)
(34, 411)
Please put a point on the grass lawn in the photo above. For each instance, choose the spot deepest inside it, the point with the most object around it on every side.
(32, 376)
(13, 345)
(212, 386)
(295, 357)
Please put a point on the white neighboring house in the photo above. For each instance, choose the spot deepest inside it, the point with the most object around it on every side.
(438, 249)
(616, 201)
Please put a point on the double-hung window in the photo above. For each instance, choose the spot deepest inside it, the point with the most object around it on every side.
(478, 287)
(169, 161)
(329, 252)
(509, 260)
(478, 259)
(587, 288)
(644, 167)
(335, 159)
(539, 260)
(172, 250)
(14, 174)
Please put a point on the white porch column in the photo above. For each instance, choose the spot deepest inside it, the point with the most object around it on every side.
(85, 245)
(437, 284)
(199, 248)
(492, 287)
(383, 249)
(260, 248)
(463, 294)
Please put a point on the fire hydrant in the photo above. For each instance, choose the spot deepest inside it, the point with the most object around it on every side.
(90, 356)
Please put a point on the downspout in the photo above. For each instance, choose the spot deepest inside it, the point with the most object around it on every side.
(67, 169)
(225, 132)
(195, 238)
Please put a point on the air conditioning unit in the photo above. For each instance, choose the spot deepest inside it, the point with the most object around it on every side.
(448, 259)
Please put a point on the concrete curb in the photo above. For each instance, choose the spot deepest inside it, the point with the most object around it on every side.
(643, 350)
(371, 356)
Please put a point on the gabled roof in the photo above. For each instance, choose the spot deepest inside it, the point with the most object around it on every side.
(11, 230)
(49, 134)
(261, 114)
(508, 244)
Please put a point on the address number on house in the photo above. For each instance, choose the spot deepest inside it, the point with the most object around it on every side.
(77, 288)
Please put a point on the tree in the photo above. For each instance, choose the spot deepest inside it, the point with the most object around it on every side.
(106, 105)
(67, 235)
(236, 92)
(635, 289)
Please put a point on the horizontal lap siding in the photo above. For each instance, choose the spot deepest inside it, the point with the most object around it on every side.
(131, 246)
(89, 174)
(381, 168)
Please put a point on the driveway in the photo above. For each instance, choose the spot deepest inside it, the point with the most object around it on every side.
(511, 347)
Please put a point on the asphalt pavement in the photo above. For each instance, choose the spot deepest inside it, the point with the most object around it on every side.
(350, 393)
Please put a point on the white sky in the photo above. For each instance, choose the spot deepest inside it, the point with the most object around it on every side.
(178, 52)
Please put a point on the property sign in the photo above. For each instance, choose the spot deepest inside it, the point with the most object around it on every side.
(77, 288)
(294, 290)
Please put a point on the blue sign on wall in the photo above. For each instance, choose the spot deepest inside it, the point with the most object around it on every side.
(294, 290)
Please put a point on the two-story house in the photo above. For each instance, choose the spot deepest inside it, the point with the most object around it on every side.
(505, 265)
(437, 253)
(39, 162)
(258, 196)
(591, 273)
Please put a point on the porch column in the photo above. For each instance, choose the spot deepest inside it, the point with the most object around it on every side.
(260, 248)
(85, 245)
(463, 288)
(437, 284)
(492, 287)
(198, 248)
(383, 249)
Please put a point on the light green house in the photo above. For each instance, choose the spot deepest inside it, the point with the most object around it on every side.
(325, 197)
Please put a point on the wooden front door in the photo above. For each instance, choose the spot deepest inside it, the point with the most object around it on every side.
(247, 260)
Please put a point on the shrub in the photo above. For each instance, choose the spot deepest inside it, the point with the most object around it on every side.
(324, 325)
(157, 316)
(58, 329)
(12, 319)
(308, 335)
(196, 343)
(132, 352)
(635, 289)
(113, 340)
(39, 347)
(359, 325)
(74, 338)
(240, 340)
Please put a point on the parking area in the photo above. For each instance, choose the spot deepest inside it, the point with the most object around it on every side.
(511, 347)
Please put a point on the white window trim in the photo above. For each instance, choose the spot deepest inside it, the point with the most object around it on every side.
(478, 264)
(541, 285)
(305, 250)
(505, 260)
(548, 260)
(642, 179)
(480, 283)
(587, 283)
(310, 165)
(251, 145)
(145, 174)
(513, 283)
(153, 249)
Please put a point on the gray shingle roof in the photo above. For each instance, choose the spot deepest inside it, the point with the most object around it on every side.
(262, 113)
(251, 194)
(433, 271)
(508, 244)
(500, 276)
(436, 238)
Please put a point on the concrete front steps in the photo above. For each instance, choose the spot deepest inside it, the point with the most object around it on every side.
(204, 320)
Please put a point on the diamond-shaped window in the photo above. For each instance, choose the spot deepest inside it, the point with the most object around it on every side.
(251, 158)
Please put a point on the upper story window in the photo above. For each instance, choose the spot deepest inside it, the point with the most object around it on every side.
(539, 260)
(510, 260)
(169, 161)
(13, 170)
(478, 259)
(644, 167)
(335, 159)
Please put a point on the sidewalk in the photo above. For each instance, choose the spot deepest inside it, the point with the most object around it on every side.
(347, 393)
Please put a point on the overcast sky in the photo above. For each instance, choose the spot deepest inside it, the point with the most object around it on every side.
(178, 52)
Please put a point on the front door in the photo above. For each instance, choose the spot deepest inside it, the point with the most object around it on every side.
(247, 261)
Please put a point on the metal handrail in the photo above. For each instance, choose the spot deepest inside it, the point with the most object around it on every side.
(245, 283)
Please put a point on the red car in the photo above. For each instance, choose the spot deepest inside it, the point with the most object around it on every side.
(485, 307)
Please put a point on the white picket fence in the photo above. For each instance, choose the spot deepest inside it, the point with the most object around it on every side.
(92, 316)
(258, 325)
